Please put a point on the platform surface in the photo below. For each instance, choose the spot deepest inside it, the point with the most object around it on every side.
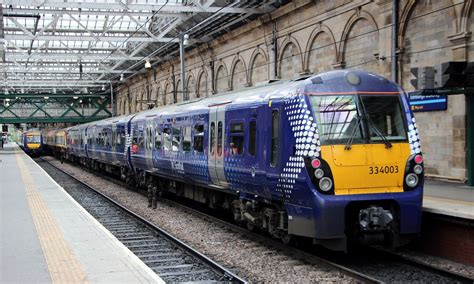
(46, 236)
(448, 198)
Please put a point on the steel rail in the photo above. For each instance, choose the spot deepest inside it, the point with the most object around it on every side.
(228, 274)
(294, 252)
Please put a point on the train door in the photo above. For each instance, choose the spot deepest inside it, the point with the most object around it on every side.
(216, 145)
(149, 138)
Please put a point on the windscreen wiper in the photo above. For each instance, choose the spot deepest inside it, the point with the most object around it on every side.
(354, 131)
(379, 133)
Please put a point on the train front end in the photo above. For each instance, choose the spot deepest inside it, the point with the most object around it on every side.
(367, 167)
(33, 143)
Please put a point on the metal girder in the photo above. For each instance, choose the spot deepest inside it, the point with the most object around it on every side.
(118, 7)
(29, 109)
(69, 56)
(72, 44)
(87, 38)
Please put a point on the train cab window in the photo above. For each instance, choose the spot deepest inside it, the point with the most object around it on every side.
(212, 149)
(199, 138)
(187, 138)
(176, 139)
(274, 137)
(236, 143)
(158, 136)
(167, 139)
(385, 118)
(252, 137)
(219, 138)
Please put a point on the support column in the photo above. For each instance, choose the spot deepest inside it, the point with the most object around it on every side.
(470, 138)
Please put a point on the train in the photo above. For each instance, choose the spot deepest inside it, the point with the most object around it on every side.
(333, 157)
(32, 142)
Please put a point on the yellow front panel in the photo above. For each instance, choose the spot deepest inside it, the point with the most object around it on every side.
(369, 168)
(33, 146)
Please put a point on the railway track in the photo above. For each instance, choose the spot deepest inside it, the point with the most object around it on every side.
(170, 258)
(370, 265)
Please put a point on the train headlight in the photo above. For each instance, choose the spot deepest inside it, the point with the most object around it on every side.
(411, 180)
(319, 173)
(418, 169)
(325, 184)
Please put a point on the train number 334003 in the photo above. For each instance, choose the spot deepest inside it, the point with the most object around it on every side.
(375, 170)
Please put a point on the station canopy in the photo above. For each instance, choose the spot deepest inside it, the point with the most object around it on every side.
(71, 47)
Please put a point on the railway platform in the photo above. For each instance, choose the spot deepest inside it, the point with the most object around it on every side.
(47, 237)
(449, 199)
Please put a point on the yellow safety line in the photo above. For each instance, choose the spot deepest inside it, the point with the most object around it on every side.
(62, 264)
(448, 200)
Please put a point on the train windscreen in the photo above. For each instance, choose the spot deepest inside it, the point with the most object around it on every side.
(33, 139)
(348, 117)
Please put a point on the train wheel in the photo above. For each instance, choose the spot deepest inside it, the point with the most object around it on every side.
(287, 239)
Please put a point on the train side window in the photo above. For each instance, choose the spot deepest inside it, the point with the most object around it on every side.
(167, 139)
(122, 138)
(236, 143)
(219, 138)
(199, 138)
(187, 138)
(140, 138)
(274, 137)
(252, 137)
(176, 139)
(151, 138)
(213, 139)
(158, 139)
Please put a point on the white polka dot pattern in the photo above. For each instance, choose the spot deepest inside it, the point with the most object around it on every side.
(307, 143)
(413, 137)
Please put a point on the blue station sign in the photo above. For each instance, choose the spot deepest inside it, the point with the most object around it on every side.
(428, 102)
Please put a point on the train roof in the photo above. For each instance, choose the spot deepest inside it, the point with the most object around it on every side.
(328, 83)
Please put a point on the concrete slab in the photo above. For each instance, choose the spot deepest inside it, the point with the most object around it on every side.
(46, 236)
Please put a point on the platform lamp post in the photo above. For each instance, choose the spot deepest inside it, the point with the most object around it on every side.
(183, 41)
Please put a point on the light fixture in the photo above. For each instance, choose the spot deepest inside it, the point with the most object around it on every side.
(75, 98)
(46, 98)
(22, 90)
(147, 64)
(185, 39)
(103, 87)
(54, 90)
(121, 77)
(84, 90)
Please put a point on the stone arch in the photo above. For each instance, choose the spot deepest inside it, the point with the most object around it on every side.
(359, 47)
(258, 71)
(168, 95)
(202, 89)
(154, 93)
(321, 50)
(179, 91)
(222, 78)
(191, 87)
(470, 30)
(466, 17)
(158, 100)
(238, 69)
(290, 59)
(416, 16)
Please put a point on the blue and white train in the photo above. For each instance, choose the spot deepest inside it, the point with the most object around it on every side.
(334, 157)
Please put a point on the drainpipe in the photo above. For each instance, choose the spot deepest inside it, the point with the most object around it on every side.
(394, 56)
(275, 50)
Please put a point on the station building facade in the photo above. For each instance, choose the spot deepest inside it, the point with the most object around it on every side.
(305, 37)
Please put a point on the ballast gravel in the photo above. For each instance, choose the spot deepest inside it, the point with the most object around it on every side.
(253, 261)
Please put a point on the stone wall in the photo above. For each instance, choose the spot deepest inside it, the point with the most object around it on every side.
(316, 36)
